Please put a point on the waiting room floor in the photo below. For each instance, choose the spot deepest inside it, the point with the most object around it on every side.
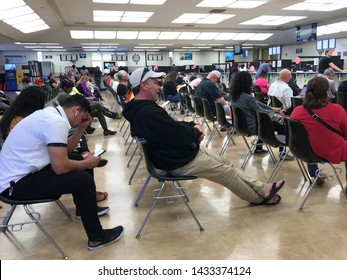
(233, 228)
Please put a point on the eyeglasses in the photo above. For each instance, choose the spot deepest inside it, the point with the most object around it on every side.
(145, 70)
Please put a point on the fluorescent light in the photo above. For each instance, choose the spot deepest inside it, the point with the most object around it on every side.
(105, 34)
(29, 24)
(149, 35)
(21, 19)
(132, 19)
(148, 2)
(168, 35)
(16, 12)
(261, 36)
(246, 4)
(341, 26)
(35, 28)
(5, 5)
(188, 35)
(225, 36)
(201, 18)
(112, 1)
(81, 34)
(138, 14)
(107, 13)
(243, 36)
(326, 30)
(127, 34)
(329, 8)
(207, 36)
(214, 3)
(302, 6)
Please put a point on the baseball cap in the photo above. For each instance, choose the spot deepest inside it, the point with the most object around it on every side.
(217, 73)
(38, 81)
(143, 74)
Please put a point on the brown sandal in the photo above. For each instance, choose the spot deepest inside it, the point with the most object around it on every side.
(101, 196)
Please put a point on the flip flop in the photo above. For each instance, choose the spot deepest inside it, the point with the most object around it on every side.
(101, 196)
(272, 203)
(273, 192)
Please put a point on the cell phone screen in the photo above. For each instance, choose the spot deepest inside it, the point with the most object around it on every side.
(99, 152)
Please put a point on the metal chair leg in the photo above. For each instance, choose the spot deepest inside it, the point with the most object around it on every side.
(36, 221)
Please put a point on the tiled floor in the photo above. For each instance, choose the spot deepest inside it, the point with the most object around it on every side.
(233, 228)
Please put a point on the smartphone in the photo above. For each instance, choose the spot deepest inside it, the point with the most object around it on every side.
(99, 152)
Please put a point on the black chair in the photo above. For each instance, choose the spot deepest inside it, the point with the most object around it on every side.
(163, 176)
(297, 101)
(199, 110)
(256, 88)
(190, 108)
(260, 97)
(298, 142)
(209, 117)
(227, 124)
(240, 125)
(275, 102)
(34, 216)
(266, 133)
(341, 98)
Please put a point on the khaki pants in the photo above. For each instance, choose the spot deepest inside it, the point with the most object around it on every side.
(220, 170)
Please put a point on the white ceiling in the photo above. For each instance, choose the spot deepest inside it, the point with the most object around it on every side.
(65, 15)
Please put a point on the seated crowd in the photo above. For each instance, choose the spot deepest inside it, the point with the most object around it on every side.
(55, 158)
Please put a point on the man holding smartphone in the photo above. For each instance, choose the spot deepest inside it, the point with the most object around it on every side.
(39, 167)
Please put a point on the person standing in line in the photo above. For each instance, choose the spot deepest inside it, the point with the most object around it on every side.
(266, 66)
(325, 63)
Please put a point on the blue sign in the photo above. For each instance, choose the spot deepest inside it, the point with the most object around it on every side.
(83, 55)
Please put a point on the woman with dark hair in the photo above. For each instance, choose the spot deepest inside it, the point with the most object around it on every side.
(324, 142)
(28, 101)
(170, 89)
(241, 97)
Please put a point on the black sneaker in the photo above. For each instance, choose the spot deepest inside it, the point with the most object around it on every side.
(262, 151)
(101, 211)
(109, 132)
(287, 157)
(109, 236)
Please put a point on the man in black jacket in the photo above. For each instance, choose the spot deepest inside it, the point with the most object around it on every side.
(175, 146)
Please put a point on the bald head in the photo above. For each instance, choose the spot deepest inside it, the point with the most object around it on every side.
(285, 75)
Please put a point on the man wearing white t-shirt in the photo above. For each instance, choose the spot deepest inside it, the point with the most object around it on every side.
(281, 90)
(34, 164)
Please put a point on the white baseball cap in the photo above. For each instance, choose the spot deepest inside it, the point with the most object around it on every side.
(143, 74)
(216, 73)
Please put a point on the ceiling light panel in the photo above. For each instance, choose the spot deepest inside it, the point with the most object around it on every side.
(149, 35)
(188, 35)
(225, 36)
(215, 4)
(105, 34)
(243, 36)
(136, 2)
(127, 34)
(81, 34)
(201, 18)
(20, 16)
(326, 30)
(168, 35)
(207, 36)
(246, 4)
(341, 26)
(261, 36)
(123, 16)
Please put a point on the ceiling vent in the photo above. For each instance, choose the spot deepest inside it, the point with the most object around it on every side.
(217, 11)
(189, 25)
(80, 23)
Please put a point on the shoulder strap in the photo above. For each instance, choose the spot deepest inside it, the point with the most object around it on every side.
(318, 119)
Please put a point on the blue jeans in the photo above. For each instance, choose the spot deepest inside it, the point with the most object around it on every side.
(312, 168)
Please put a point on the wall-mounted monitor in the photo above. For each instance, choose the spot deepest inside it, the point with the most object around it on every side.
(237, 49)
(229, 56)
(306, 32)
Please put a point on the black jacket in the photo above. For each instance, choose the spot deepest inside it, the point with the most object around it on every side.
(170, 144)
